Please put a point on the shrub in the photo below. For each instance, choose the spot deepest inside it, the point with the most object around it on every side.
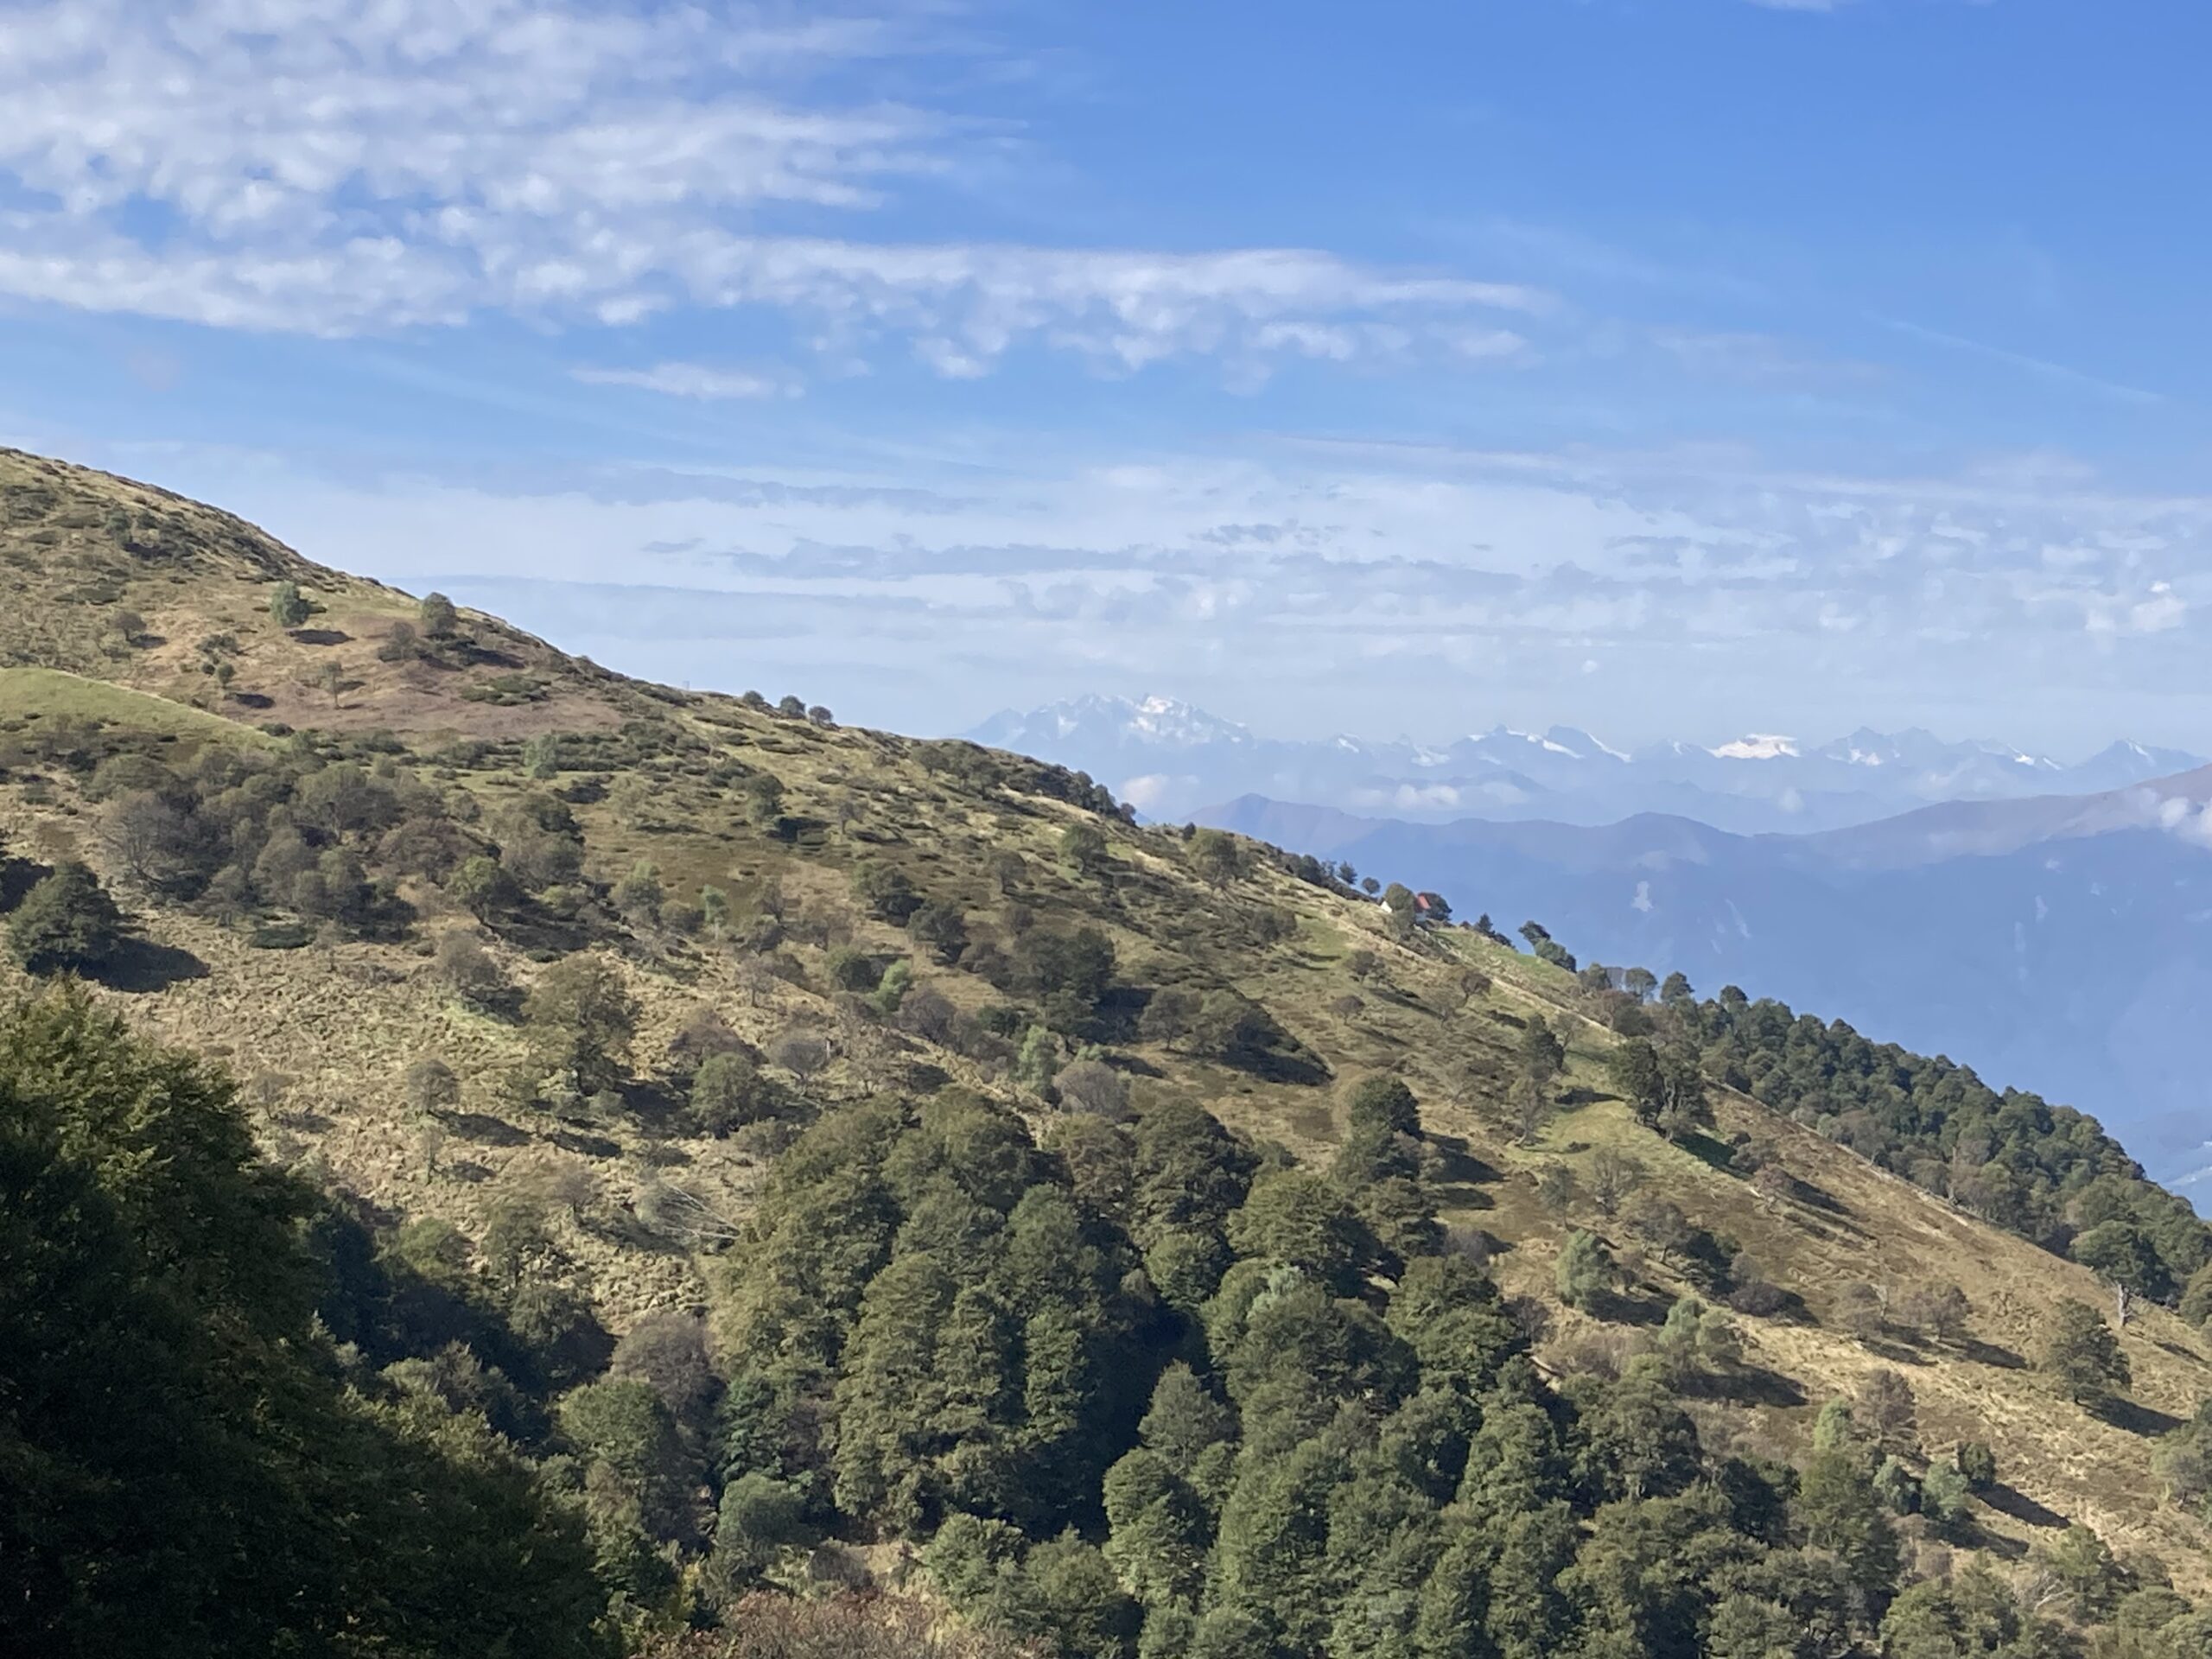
(1758, 1297)
(705, 1032)
(1557, 1189)
(768, 1625)
(436, 614)
(801, 1054)
(2080, 1355)
(727, 1092)
(431, 1086)
(1978, 1464)
(467, 969)
(764, 798)
(886, 892)
(1895, 1486)
(1084, 846)
(1613, 1176)
(1944, 1498)
(853, 971)
(541, 756)
(760, 1515)
(1217, 857)
(891, 989)
(483, 887)
(584, 1018)
(400, 645)
(1095, 1087)
(639, 896)
(942, 928)
(66, 923)
(1586, 1272)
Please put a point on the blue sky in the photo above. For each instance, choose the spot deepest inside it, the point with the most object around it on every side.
(1669, 367)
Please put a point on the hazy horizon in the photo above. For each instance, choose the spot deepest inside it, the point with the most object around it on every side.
(1608, 365)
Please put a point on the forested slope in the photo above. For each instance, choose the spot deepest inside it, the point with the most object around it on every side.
(814, 1156)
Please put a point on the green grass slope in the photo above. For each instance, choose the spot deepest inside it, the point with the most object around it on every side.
(121, 603)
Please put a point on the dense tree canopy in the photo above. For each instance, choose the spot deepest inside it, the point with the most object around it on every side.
(2048, 1172)
(187, 1470)
(1209, 1408)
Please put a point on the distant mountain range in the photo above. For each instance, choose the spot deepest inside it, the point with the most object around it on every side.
(1171, 760)
(2048, 923)
(2062, 944)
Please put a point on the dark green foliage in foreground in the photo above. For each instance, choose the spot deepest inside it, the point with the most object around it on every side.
(183, 1469)
(1138, 1391)
(942, 1333)
(1160, 1400)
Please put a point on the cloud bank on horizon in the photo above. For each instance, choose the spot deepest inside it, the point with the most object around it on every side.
(1595, 363)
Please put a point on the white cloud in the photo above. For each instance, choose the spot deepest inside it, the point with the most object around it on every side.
(1335, 585)
(2178, 816)
(1146, 791)
(2164, 609)
(2159, 611)
(693, 380)
(388, 164)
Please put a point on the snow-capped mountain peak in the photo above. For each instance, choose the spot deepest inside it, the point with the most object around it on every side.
(1541, 740)
(1759, 745)
(1582, 743)
(1167, 720)
(1147, 723)
(1171, 759)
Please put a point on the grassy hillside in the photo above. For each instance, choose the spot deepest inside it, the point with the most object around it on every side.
(746, 875)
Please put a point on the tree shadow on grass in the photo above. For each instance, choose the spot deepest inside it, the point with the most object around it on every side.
(2010, 1500)
(585, 1145)
(2136, 1418)
(1457, 1195)
(1988, 1353)
(141, 966)
(1457, 1163)
(1749, 1385)
(471, 655)
(1889, 1345)
(1716, 1155)
(1816, 1197)
(1300, 1069)
(1460, 1177)
(1631, 1307)
(17, 877)
(485, 1129)
(530, 928)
